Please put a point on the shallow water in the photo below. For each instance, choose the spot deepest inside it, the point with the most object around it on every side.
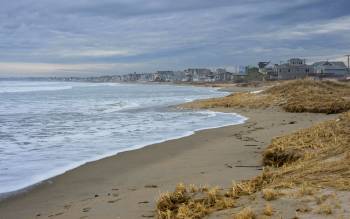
(47, 128)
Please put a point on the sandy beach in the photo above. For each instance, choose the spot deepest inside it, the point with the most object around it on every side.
(128, 184)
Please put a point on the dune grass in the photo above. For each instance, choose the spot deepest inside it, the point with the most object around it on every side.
(307, 160)
(292, 96)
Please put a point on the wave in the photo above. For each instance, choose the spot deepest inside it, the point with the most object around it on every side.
(32, 89)
(22, 87)
(9, 190)
(53, 132)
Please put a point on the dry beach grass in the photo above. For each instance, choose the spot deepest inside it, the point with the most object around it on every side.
(292, 96)
(308, 162)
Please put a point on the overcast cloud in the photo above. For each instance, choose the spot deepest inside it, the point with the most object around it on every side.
(41, 37)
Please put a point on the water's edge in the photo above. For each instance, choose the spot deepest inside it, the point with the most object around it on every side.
(50, 177)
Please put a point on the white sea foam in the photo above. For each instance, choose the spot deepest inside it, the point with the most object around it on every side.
(31, 89)
(54, 131)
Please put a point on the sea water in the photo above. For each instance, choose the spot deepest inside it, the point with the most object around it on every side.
(47, 128)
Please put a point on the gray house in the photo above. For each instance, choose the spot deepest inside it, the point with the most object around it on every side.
(330, 69)
(222, 75)
(198, 74)
(294, 69)
(163, 76)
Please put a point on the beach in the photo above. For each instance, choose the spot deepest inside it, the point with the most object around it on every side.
(128, 184)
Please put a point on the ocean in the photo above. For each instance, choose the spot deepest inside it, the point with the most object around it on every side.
(47, 128)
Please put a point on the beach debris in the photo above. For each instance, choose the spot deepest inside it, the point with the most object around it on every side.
(115, 200)
(250, 145)
(228, 165)
(67, 206)
(270, 194)
(303, 209)
(249, 139)
(144, 202)
(151, 186)
(57, 214)
(96, 195)
(87, 209)
(147, 215)
(246, 213)
(249, 166)
(268, 210)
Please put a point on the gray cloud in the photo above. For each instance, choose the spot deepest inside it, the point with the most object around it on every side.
(143, 35)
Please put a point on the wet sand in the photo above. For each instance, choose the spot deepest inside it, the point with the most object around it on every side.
(126, 185)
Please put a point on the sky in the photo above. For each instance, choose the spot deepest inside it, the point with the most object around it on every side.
(99, 37)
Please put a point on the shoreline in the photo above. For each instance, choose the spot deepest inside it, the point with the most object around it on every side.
(6, 195)
(126, 185)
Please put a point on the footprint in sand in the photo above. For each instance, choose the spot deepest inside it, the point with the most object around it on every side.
(67, 207)
(57, 214)
(86, 209)
(228, 165)
(114, 201)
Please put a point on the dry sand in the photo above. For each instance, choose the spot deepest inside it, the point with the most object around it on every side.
(127, 185)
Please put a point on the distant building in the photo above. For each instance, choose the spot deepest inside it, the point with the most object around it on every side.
(162, 76)
(294, 69)
(179, 76)
(239, 77)
(330, 69)
(222, 75)
(255, 74)
(198, 74)
(266, 69)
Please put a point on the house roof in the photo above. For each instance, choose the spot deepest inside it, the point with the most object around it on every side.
(327, 63)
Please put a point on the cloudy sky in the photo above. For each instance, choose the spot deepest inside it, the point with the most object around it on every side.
(42, 37)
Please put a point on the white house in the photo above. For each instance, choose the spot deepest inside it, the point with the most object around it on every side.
(330, 69)
(294, 69)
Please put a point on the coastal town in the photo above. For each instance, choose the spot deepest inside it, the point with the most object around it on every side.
(294, 68)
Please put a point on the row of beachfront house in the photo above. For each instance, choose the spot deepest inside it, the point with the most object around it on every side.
(297, 68)
(294, 68)
(188, 75)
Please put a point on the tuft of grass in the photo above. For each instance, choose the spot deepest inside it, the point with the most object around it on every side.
(292, 96)
(270, 194)
(268, 210)
(192, 202)
(327, 139)
(325, 209)
(306, 190)
(246, 213)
